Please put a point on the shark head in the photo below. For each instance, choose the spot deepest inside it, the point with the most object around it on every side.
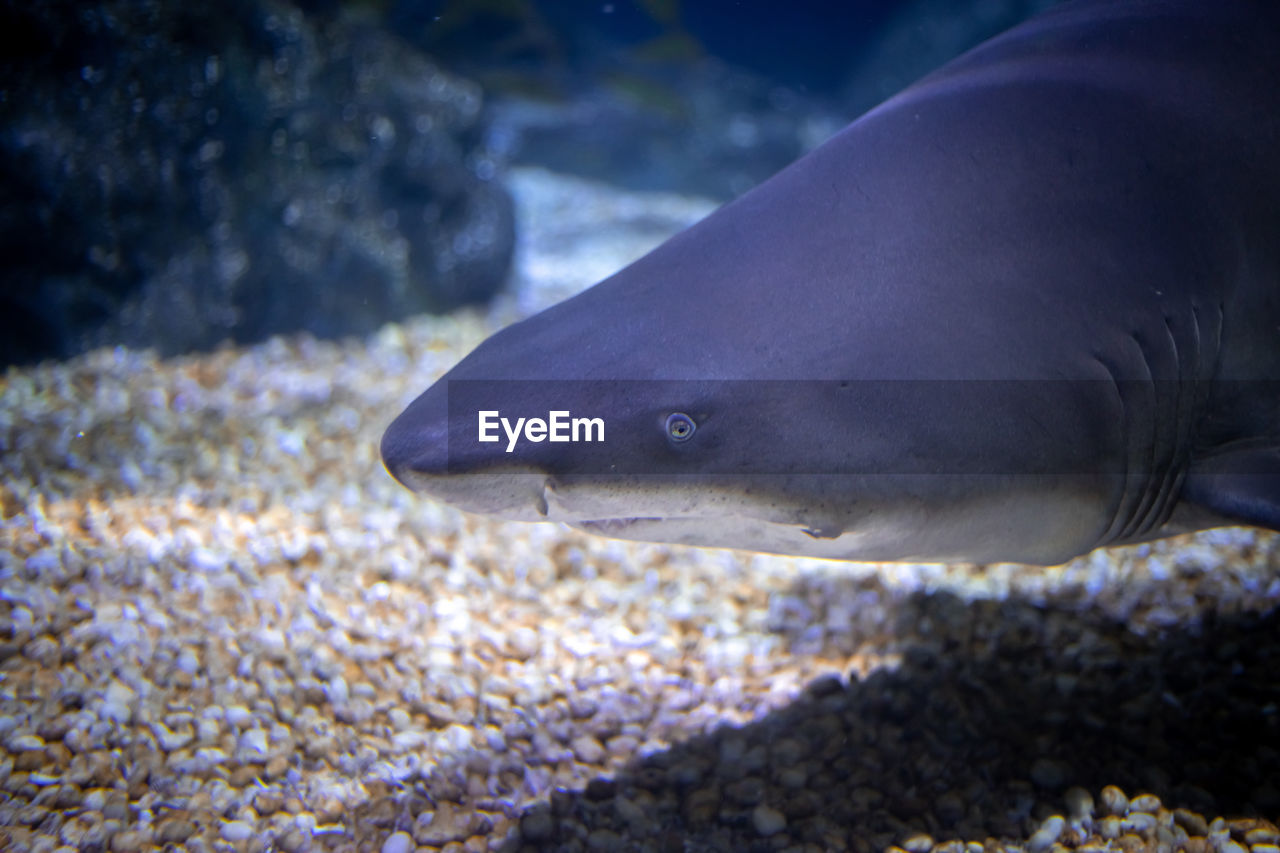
(635, 422)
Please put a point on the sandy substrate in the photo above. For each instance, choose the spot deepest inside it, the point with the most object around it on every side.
(223, 627)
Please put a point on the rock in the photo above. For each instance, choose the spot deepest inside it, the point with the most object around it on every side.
(605, 841)
(1145, 803)
(768, 820)
(178, 175)
(236, 830)
(918, 844)
(587, 749)
(1079, 804)
(175, 831)
(1193, 823)
(1048, 833)
(1050, 774)
(537, 825)
(398, 842)
(1113, 800)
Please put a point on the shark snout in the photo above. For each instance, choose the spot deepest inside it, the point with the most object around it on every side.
(417, 451)
(415, 447)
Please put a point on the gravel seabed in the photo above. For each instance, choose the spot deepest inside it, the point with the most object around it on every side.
(224, 627)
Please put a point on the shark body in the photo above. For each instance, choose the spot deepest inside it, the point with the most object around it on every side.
(1026, 308)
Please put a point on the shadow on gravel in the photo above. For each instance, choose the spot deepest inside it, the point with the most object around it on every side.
(964, 744)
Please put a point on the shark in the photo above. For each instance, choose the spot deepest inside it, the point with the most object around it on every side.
(1026, 308)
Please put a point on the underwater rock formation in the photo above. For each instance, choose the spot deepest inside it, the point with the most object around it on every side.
(174, 175)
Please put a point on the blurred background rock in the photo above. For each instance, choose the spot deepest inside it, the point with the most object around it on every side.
(175, 175)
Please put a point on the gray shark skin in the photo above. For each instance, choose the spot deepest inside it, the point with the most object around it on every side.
(1026, 308)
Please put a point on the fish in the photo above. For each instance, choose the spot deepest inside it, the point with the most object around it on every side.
(1026, 308)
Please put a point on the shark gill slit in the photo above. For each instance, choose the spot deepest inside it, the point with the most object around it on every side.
(1166, 490)
(1117, 509)
(1137, 517)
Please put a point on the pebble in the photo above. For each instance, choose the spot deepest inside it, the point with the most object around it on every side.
(1048, 773)
(1047, 835)
(276, 767)
(1079, 804)
(236, 830)
(1149, 803)
(587, 749)
(26, 743)
(918, 844)
(537, 825)
(174, 831)
(398, 842)
(747, 791)
(295, 841)
(252, 745)
(604, 840)
(169, 740)
(1139, 823)
(237, 715)
(522, 643)
(208, 729)
(188, 661)
(130, 841)
(1113, 801)
(1190, 821)
(768, 820)
(268, 801)
(117, 703)
(794, 778)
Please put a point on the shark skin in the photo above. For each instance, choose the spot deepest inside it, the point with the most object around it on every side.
(1026, 308)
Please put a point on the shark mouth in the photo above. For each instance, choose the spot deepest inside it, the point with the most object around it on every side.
(606, 526)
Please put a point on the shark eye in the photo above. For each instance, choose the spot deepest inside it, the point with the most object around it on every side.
(680, 426)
